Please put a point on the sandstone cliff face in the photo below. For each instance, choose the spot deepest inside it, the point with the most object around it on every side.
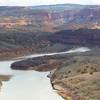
(47, 20)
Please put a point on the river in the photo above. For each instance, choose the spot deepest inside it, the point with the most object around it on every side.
(29, 85)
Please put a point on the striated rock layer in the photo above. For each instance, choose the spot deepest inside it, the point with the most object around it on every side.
(50, 18)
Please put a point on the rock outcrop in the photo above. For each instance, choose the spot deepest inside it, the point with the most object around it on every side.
(50, 18)
(78, 78)
(4, 78)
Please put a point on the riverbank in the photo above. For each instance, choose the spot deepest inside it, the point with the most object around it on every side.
(47, 61)
(24, 85)
(78, 78)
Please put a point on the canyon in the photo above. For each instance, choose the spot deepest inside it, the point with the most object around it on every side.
(50, 31)
(22, 27)
(50, 18)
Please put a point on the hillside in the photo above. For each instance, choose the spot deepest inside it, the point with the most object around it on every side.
(78, 78)
(15, 43)
(26, 30)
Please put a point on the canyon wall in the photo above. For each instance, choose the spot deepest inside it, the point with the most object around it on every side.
(50, 18)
